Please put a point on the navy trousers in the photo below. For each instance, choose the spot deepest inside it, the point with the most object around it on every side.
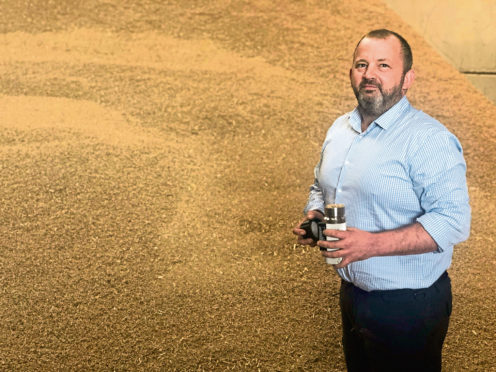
(397, 330)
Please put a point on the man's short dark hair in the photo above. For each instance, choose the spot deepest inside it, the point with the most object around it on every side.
(405, 47)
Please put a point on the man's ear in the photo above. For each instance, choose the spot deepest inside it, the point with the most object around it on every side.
(408, 81)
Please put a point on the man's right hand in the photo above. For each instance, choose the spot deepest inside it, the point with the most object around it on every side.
(300, 232)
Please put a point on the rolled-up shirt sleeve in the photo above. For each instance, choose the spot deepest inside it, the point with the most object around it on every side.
(315, 197)
(438, 173)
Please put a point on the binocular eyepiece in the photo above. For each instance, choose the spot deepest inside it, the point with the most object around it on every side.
(314, 229)
(333, 219)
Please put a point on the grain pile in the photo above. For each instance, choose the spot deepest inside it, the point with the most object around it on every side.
(155, 157)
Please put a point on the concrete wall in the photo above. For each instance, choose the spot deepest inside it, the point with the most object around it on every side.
(464, 31)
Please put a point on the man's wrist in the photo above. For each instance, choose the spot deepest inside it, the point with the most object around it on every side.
(318, 212)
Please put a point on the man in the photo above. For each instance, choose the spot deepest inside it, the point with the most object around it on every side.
(401, 176)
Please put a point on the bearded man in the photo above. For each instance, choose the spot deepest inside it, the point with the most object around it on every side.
(402, 178)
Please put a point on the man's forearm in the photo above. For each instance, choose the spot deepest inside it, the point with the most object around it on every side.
(411, 239)
(357, 245)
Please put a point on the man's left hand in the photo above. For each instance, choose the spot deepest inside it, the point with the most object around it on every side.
(353, 245)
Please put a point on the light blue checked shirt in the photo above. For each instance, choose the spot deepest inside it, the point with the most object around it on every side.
(405, 168)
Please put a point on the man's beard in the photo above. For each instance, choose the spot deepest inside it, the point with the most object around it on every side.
(376, 105)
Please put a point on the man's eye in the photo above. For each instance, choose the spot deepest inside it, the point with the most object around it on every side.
(384, 65)
(360, 65)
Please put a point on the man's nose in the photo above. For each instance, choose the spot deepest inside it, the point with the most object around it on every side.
(369, 73)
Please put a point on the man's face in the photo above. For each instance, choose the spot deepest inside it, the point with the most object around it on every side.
(377, 76)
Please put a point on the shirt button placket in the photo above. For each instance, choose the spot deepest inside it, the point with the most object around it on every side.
(346, 163)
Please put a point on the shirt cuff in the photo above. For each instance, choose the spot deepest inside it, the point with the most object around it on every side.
(435, 230)
(314, 206)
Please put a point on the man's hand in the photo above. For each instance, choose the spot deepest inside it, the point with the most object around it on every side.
(353, 245)
(300, 232)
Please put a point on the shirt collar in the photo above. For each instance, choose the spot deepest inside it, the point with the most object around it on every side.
(385, 120)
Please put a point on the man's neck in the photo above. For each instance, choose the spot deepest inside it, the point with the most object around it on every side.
(367, 119)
